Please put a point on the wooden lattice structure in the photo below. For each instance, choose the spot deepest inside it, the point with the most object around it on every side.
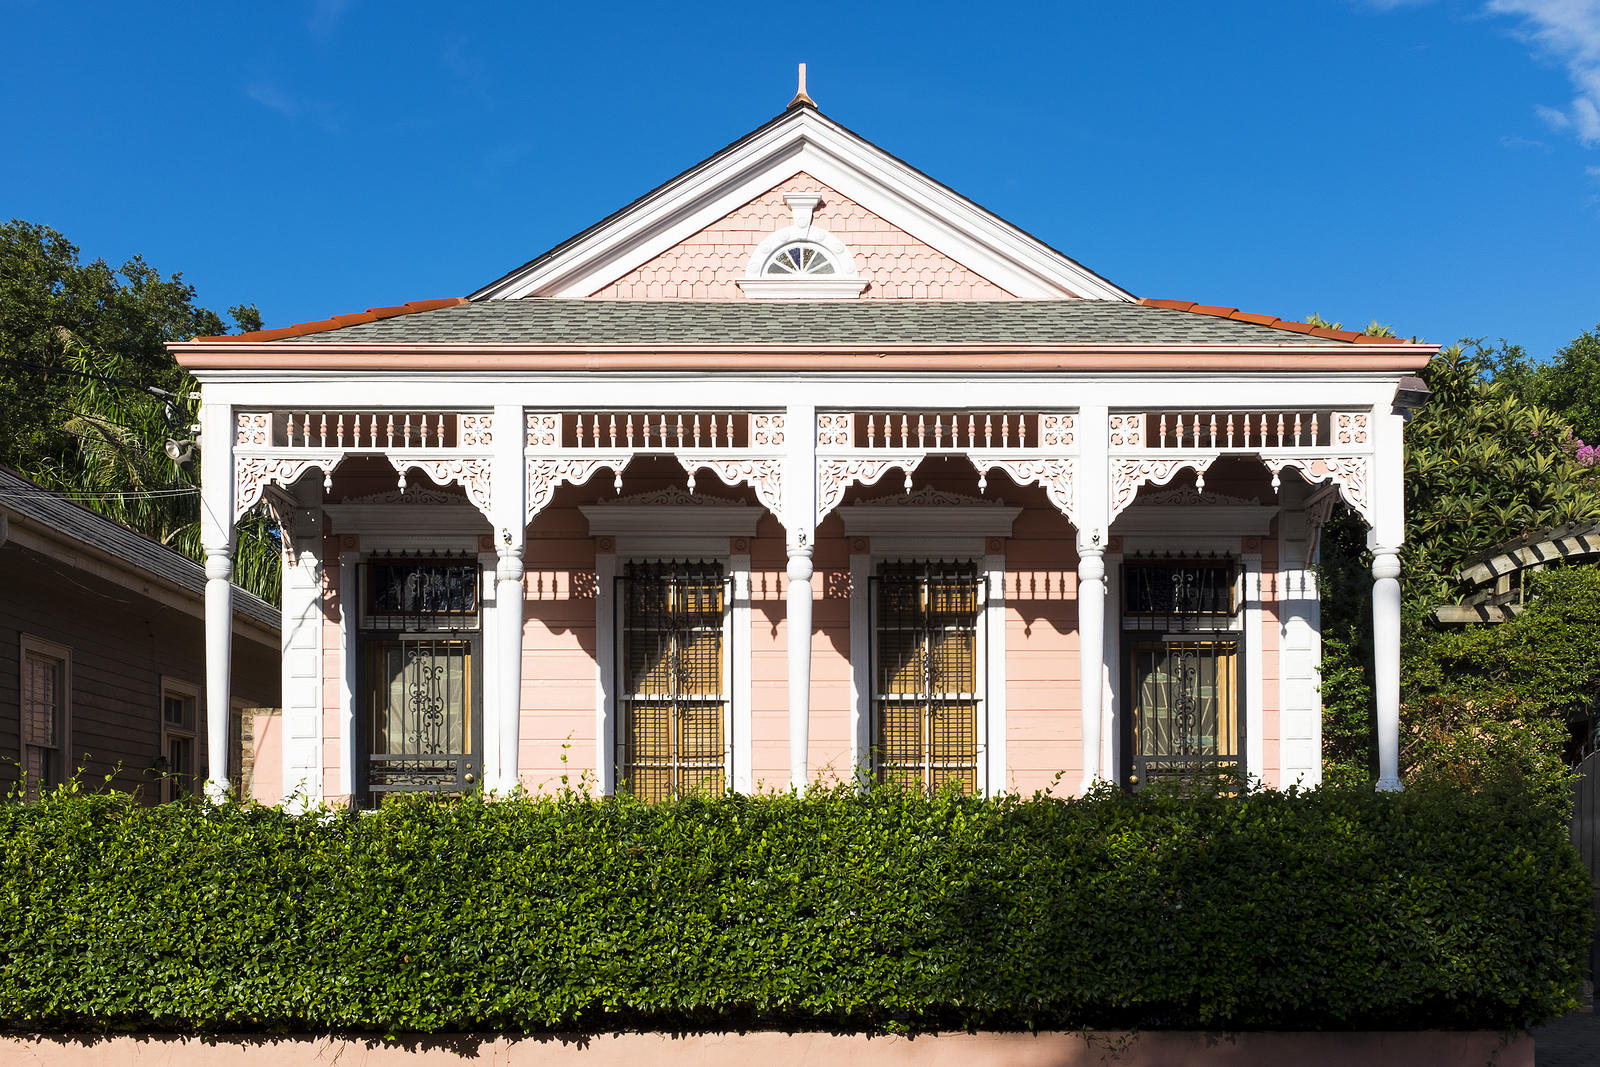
(1496, 574)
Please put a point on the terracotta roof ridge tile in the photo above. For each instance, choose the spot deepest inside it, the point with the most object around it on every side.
(339, 322)
(1272, 321)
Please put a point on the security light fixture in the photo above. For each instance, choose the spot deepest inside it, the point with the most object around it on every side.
(1412, 394)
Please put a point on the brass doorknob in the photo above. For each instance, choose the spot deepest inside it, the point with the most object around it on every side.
(468, 778)
(1133, 779)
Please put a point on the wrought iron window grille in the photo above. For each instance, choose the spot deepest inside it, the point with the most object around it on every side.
(421, 592)
(674, 730)
(927, 621)
(1184, 648)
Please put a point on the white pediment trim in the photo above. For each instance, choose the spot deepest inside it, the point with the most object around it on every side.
(804, 140)
(409, 496)
(928, 496)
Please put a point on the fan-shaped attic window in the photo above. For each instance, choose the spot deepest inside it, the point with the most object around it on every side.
(800, 259)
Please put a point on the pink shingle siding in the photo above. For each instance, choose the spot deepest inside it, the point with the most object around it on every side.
(896, 265)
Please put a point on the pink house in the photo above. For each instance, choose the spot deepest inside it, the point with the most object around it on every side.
(801, 466)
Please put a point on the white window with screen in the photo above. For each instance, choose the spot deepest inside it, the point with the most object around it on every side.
(177, 765)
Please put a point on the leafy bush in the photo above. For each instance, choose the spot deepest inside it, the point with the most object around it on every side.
(1330, 909)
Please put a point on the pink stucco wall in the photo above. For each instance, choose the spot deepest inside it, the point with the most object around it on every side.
(897, 265)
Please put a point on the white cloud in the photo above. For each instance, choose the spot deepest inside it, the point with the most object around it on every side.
(1568, 30)
(271, 96)
(325, 17)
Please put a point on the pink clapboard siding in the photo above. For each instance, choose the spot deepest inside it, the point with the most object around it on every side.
(897, 265)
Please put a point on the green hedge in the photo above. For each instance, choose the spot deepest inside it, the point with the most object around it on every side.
(1320, 910)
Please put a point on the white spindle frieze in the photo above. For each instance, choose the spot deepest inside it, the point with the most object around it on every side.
(280, 446)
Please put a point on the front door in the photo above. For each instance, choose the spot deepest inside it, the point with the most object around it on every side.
(1181, 647)
(422, 721)
(1184, 717)
(421, 677)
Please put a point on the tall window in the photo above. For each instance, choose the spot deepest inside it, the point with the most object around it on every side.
(45, 702)
(180, 705)
(1184, 676)
(673, 733)
(925, 674)
(423, 730)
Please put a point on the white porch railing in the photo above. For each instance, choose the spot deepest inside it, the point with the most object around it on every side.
(358, 430)
(1237, 429)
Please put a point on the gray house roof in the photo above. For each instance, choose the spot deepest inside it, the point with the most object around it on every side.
(24, 498)
(541, 321)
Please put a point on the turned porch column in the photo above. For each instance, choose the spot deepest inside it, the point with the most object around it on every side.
(1092, 518)
(1091, 649)
(1385, 535)
(217, 536)
(1386, 663)
(508, 506)
(800, 519)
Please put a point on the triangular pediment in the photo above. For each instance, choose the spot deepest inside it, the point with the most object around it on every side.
(903, 230)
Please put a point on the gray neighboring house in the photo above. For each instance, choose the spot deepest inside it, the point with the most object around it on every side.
(102, 653)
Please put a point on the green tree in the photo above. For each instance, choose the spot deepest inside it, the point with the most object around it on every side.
(81, 345)
(1484, 464)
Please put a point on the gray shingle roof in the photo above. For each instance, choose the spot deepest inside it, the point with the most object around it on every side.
(21, 497)
(540, 321)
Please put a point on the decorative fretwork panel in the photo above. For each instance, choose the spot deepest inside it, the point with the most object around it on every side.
(926, 704)
(364, 430)
(673, 729)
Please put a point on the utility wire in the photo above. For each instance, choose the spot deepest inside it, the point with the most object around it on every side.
(152, 390)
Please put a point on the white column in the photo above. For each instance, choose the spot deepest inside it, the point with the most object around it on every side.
(1386, 663)
(1093, 491)
(798, 597)
(508, 656)
(510, 523)
(861, 663)
(1255, 761)
(349, 706)
(1091, 649)
(605, 669)
(217, 535)
(994, 675)
(743, 774)
(1385, 536)
(800, 520)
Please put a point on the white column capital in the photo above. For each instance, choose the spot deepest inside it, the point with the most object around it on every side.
(1385, 563)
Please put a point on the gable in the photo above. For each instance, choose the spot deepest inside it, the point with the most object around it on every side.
(936, 233)
(896, 265)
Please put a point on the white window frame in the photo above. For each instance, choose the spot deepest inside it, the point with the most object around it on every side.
(39, 648)
(672, 531)
(170, 787)
(972, 530)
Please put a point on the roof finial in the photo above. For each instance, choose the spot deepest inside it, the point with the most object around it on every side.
(800, 98)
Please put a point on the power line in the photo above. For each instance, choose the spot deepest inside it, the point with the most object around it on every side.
(151, 389)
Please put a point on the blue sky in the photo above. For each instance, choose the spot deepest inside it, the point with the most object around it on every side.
(1435, 165)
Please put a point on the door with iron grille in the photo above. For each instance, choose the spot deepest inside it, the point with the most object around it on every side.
(1182, 648)
(926, 704)
(421, 676)
(674, 730)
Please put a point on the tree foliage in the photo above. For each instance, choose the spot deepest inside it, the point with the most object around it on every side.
(98, 435)
(1485, 462)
